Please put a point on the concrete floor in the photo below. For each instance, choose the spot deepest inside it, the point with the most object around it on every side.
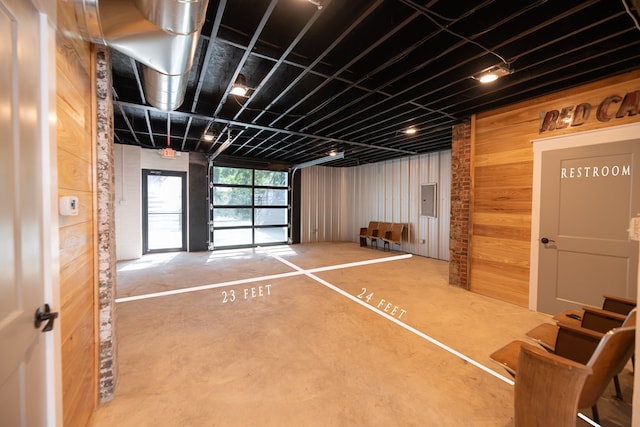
(278, 345)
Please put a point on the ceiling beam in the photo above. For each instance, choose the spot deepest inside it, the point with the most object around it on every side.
(240, 124)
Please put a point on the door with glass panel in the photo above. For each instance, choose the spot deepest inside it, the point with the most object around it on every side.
(164, 208)
(249, 207)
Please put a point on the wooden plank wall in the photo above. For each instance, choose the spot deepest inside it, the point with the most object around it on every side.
(502, 167)
(76, 177)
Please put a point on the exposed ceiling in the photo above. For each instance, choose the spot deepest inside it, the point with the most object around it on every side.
(352, 75)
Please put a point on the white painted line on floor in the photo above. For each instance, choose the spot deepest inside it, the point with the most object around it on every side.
(309, 273)
(588, 420)
(211, 286)
(396, 321)
(298, 272)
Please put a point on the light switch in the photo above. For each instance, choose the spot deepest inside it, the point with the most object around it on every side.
(69, 206)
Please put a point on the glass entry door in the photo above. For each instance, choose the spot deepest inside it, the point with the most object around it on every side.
(164, 211)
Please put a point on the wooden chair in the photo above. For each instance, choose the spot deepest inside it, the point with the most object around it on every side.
(383, 227)
(547, 388)
(612, 353)
(618, 304)
(608, 359)
(393, 235)
(610, 303)
(578, 345)
(366, 233)
(546, 334)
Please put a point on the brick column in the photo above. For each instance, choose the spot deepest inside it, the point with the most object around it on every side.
(460, 220)
(106, 225)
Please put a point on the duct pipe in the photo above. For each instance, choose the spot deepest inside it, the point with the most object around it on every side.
(160, 34)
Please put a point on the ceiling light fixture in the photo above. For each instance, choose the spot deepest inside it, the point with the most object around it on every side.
(492, 74)
(410, 131)
(317, 3)
(239, 88)
(209, 134)
(321, 160)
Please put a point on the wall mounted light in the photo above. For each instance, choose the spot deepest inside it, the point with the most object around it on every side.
(492, 74)
(239, 88)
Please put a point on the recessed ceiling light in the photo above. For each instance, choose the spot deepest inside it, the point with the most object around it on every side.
(411, 131)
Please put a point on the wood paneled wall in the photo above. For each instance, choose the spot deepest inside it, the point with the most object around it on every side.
(76, 177)
(502, 168)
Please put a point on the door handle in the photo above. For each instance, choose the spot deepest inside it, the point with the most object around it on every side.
(45, 315)
(546, 240)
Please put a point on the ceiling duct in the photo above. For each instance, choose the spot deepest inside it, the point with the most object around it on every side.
(160, 34)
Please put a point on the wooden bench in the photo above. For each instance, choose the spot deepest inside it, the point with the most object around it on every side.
(388, 232)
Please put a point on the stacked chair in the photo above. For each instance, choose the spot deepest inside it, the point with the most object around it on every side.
(596, 342)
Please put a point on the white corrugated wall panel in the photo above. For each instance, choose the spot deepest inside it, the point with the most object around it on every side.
(336, 202)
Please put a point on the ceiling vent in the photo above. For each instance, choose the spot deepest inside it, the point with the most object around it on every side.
(160, 34)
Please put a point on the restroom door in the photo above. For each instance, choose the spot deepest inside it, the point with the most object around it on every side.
(588, 196)
(164, 208)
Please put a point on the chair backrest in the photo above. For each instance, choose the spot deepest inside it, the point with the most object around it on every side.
(601, 320)
(613, 352)
(373, 225)
(618, 304)
(631, 318)
(547, 388)
(382, 228)
(576, 343)
(395, 232)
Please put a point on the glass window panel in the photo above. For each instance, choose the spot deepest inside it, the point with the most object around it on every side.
(270, 197)
(164, 231)
(233, 176)
(231, 217)
(271, 178)
(164, 194)
(231, 196)
(233, 237)
(271, 235)
(271, 216)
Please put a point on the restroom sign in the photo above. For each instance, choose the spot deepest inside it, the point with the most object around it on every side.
(611, 107)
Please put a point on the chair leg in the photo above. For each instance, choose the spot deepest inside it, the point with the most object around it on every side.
(596, 417)
(616, 383)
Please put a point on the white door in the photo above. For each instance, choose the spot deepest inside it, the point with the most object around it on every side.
(27, 362)
(588, 196)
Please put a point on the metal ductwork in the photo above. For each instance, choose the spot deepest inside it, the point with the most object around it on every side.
(160, 34)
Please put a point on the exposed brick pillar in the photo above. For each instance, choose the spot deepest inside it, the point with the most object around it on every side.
(106, 225)
(460, 226)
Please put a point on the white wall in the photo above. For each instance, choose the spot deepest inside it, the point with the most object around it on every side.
(336, 202)
(129, 162)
